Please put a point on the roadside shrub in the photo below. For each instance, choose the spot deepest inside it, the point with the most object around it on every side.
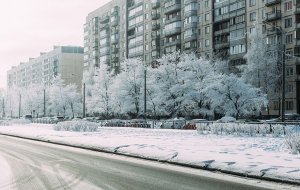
(243, 129)
(292, 141)
(77, 126)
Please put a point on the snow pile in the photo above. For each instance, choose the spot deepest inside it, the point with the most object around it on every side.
(78, 126)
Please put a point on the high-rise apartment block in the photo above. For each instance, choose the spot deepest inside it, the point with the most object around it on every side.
(150, 28)
(63, 61)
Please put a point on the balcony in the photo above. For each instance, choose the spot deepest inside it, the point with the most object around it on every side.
(114, 40)
(190, 13)
(189, 38)
(186, 2)
(104, 52)
(297, 10)
(114, 22)
(221, 44)
(273, 30)
(104, 19)
(174, 19)
(155, 26)
(271, 2)
(173, 43)
(155, 35)
(155, 4)
(104, 26)
(173, 8)
(271, 16)
(155, 15)
(225, 30)
(173, 31)
(115, 59)
(190, 25)
(114, 50)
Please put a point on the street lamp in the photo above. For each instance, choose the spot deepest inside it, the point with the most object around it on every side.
(145, 90)
(83, 103)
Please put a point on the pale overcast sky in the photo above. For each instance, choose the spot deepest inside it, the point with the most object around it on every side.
(29, 27)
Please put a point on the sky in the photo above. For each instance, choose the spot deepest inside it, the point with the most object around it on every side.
(33, 26)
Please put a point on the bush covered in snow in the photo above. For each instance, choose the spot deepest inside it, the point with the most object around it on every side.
(293, 142)
(78, 126)
(243, 129)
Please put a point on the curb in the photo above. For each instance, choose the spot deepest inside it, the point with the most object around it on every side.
(238, 174)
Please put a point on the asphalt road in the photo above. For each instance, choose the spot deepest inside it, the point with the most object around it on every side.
(30, 165)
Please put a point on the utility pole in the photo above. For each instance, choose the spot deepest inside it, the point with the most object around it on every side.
(44, 102)
(145, 92)
(83, 107)
(3, 108)
(20, 99)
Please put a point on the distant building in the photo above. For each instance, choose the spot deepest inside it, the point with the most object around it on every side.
(65, 61)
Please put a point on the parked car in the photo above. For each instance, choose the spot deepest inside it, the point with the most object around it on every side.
(292, 116)
(173, 123)
(192, 125)
(226, 119)
(141, 123)
(115, 123)
(28, 116)
(56, 119)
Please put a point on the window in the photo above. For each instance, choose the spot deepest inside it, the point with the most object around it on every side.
(206, 16)
(252, 3)
(206, 4)
(289, 71)
(252, 16)
(252, 30)
(288, 23)
(237, 49)
(289, 88)
(288, 6)
(289, 105)
(289, 38)
(207, 29)
(206, 43)
(289, 55)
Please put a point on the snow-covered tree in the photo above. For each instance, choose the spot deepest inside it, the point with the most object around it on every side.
(263, 68)
(128, 88)
(101, 92)
(235, 97)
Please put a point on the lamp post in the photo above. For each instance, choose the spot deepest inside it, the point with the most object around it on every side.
(44, 102)
(20, 99)
(145, 91)
(83, 103)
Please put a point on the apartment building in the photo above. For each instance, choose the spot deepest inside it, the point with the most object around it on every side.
(65, 61)
(150, 28)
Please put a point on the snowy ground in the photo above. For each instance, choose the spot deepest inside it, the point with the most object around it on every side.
(261, 156)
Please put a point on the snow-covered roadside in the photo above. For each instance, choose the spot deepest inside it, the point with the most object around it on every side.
(5, 175)
(260, 156)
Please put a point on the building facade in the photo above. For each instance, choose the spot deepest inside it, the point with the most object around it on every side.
(150, 28)
(63, 61)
